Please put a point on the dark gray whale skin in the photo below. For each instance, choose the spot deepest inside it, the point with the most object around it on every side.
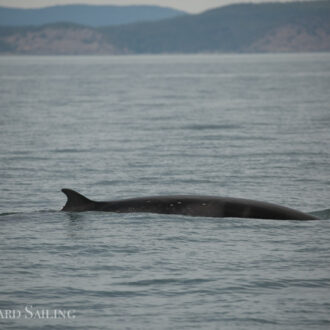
(200, 206)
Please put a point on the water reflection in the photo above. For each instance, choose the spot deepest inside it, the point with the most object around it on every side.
(76, 223)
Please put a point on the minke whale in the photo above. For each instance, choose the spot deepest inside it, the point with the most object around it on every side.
(200, 206)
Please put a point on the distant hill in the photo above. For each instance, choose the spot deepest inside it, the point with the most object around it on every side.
(294, 26)
(268, 27)
(94, 16)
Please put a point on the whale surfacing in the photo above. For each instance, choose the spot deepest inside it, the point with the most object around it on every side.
(200, 206)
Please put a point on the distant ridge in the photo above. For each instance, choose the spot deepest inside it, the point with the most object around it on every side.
(264, 27)
(241, 28)
(90, 15)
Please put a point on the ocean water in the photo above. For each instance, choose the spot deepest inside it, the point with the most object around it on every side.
(251, 126)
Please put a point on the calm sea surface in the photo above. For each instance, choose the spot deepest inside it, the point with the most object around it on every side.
(252, 126)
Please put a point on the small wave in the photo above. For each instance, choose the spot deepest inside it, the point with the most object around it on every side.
(69, 150)
(322, 214)
(286, 283)
(24, 158)
(9, 214)
(165, 281)
(212, 127)
(246, 320)
(109, 182)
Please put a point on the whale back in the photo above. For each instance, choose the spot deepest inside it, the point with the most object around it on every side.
(77, 202)
(204, 206)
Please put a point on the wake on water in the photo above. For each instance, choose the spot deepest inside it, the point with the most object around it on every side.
(321, 214)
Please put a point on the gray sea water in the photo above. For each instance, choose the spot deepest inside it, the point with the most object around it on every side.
(252, 126)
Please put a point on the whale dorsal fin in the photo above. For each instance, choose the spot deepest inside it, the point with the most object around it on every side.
(76, 201)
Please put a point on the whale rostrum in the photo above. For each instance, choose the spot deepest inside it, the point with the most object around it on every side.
(190, 205)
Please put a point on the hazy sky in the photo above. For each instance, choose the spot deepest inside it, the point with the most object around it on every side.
(193, 6)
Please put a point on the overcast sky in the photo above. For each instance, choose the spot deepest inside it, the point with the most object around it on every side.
(192, 6)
